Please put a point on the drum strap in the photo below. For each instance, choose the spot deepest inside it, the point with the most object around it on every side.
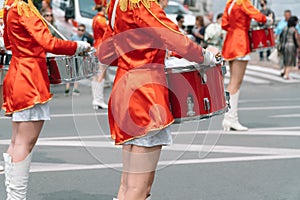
(231, 6)
(113, 16)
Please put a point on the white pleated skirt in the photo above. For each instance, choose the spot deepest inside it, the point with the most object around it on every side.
(36, 113)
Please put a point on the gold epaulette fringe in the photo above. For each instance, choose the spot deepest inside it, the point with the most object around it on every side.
(254, 12)
(124, 4)
(25, 8)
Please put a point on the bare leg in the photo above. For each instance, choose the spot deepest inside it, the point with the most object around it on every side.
(288, 69)
(237, 72)
(67, 86)
(102, 74)
(139, 165)
(24, 137)
(75, 85)
(18, 157)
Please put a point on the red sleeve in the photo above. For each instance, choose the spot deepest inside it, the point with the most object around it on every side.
(41, 34)
(165, 31)
(252, 12)
(106, 50)
(5, 36)
(225, 22)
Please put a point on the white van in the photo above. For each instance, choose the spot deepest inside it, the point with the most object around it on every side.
(69, 14)
(175, 8)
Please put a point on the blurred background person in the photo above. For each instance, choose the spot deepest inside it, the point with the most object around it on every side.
(236, 21)
(45, 6)
(48, 16)
(163, 3)
(289, 39)
(278, 30)
(180, 21)
(99, 27)
(208, 18)
(267, 12)
(199, 30)
(214, 34)
(283, 23)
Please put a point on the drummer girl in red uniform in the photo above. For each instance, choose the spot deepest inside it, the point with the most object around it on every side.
(236, 21)
(99, 27)
(26, 87)
(138, 109)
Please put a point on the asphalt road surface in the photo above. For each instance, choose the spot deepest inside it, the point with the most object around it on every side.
(75, 158)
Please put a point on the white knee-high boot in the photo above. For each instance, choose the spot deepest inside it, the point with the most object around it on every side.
(98, 97)
(231, 121)
(148, 198)
(16, 177)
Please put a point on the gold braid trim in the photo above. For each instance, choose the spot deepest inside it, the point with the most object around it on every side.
(254, 12)
(124, 4)
(26, 8)
(161, 22)
(240, 2)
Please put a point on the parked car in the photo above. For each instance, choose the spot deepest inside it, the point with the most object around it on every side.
(175, 8)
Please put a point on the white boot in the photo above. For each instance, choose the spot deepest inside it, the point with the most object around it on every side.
(98, 99)
(148, 198)
(231, 121)
(16, 177)
(1, 168)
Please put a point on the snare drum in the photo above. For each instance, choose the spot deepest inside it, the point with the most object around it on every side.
(196, 93)
(261, 38)
(61, 68)
(66, 69)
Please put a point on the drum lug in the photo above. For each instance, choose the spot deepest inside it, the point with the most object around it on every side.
(224, 70)
(203, 78)
(227, 98)
(206, 104)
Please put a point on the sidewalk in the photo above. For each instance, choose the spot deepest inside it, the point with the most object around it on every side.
(267, 64)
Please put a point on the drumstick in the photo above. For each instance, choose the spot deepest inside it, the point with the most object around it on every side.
(51, 26)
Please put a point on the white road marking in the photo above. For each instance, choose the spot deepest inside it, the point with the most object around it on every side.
(268, 100)
(262, 75)
(54, 167)
(178, 147)
(261, 153)
(269, 108)
(286, 116)
(105, 114)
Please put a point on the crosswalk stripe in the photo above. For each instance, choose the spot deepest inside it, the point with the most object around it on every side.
(262, 75)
